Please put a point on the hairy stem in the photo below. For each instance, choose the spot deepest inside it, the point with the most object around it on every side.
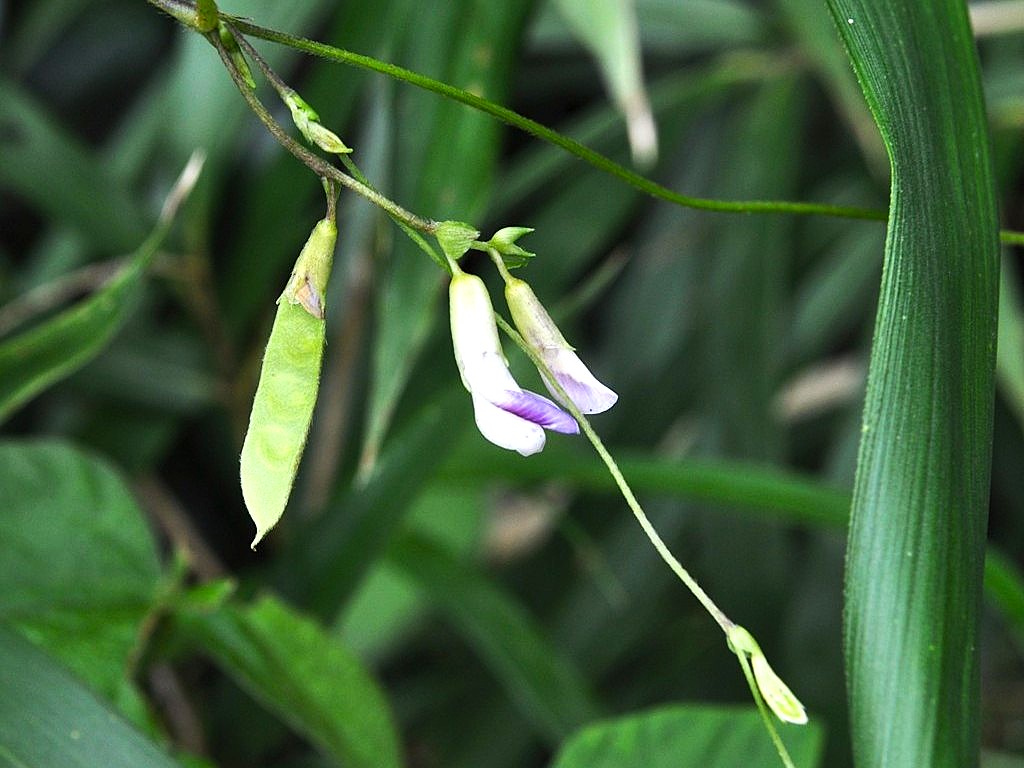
(314, 162)
(596, 159)
(650, 531)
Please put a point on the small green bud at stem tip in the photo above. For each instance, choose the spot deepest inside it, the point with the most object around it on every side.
(207, 15)
(776, 694)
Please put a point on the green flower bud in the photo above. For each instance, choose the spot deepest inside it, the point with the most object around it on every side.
(207, 16)
(776, 694)
(308, 122)
(504, 242)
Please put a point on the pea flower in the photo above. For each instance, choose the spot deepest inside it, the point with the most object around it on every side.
(541, 333)
(507, 415)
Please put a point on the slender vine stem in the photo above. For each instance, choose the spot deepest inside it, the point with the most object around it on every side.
(649, 530)
(313, 161)
(284, 90)
(583, 152)
(178, 8)
(762, 709)
(549, 135)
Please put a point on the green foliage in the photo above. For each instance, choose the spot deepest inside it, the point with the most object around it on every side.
(920, 505)
(429, 599)
(80, 570)
(312, 681)
(40, 356)
(48, 718)
(710, 737)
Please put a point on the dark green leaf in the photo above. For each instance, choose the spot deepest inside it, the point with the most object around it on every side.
(308, 678)
(80, 566)
(917, 536)
(34, 359)
(755, 487)
(709, 737)
(332, 556)
(49, 719)
(59, 176)
(545, 685)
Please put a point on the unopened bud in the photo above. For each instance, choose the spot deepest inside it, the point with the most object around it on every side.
(307, 121)
(776, 694)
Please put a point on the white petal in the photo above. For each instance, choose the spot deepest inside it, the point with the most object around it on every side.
(582, 387)
(487, 374)
(474, 334)
(505, 429)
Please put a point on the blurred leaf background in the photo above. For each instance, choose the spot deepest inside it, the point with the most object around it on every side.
(429, 600)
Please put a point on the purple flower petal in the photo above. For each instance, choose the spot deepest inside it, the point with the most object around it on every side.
(505, 429)
(537, 409)
(582, 387)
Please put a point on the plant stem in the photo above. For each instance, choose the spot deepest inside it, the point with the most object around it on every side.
(544, 133)
(766, 716)
(314, 162)
(509, 117)
(284, 91)
(652, 534)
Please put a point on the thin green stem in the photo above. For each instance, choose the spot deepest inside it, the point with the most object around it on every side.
(416, 237)
(179, 9)
(652, 534)
(762, 708)
(544, 133)
(314, 162)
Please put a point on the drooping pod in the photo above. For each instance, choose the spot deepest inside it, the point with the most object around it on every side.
(286, 395)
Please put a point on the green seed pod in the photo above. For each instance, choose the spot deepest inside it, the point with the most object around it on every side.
(286, 395)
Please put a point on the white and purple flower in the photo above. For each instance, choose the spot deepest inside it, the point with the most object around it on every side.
(506, 414)
(541, 333)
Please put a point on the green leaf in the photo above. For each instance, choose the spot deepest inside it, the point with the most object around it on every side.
(917, 535)
(387, 605)
(1004, 588)
(37, 358)
(549, 690)
(49, 719)
(1010, 354)
(308, 678)
(705, 736)
(80, 566)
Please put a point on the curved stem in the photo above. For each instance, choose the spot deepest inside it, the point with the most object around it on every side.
(650, 531)
(583, 152)
(177, 8)
(314, 162)
(544, 133)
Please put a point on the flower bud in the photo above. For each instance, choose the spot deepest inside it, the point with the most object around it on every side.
(308, 122)
(540, 332)
(776, 694)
